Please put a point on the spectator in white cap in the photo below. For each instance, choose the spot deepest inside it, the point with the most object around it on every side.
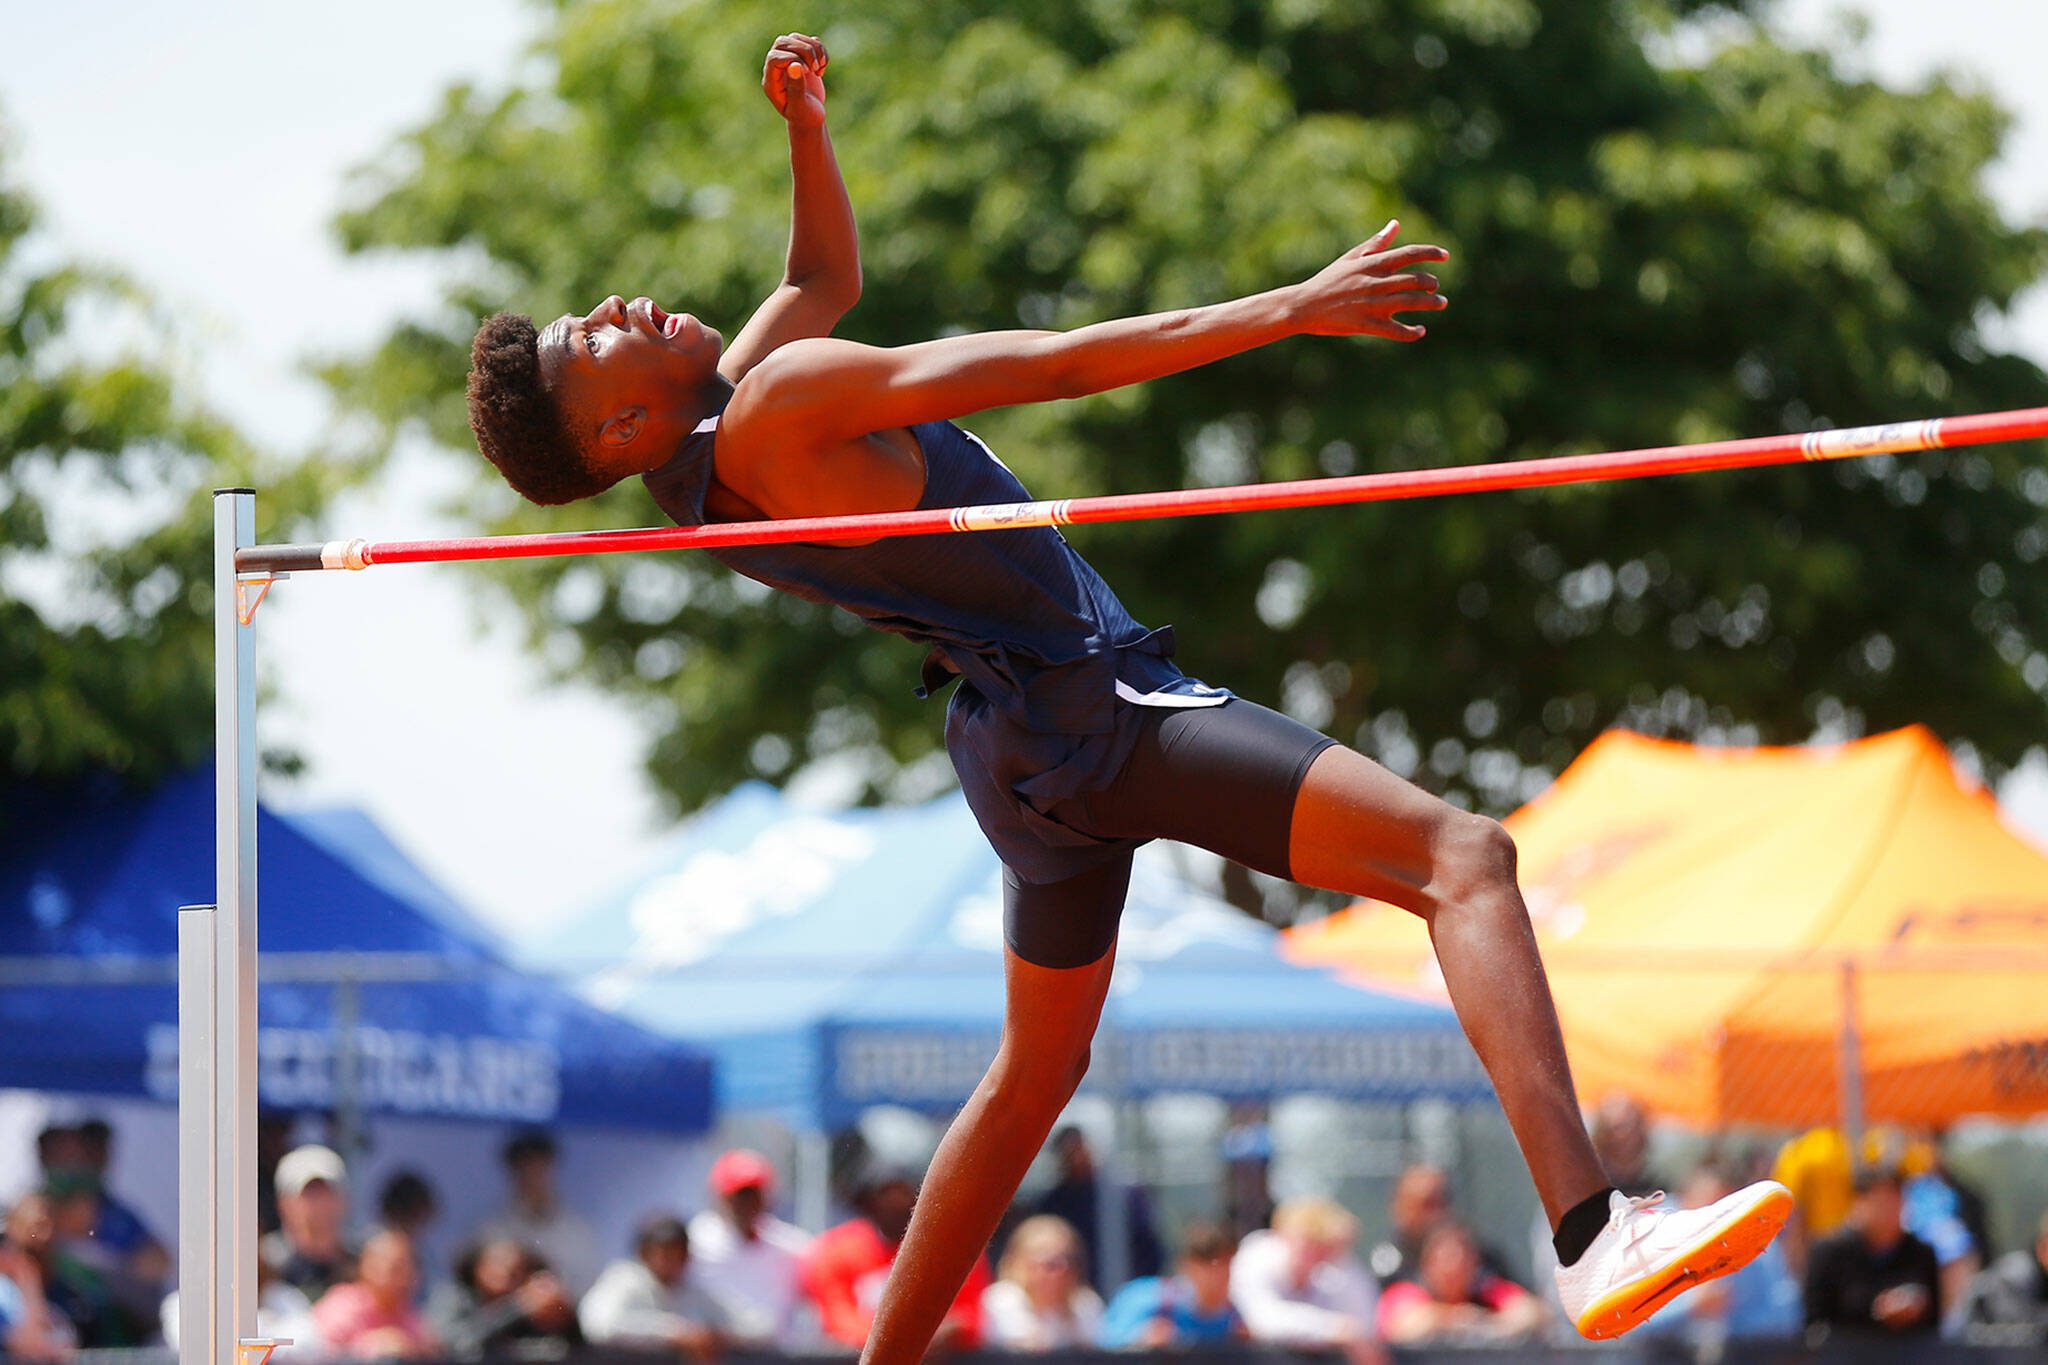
(750, 1259)
(536, 1216)
(310, 1249)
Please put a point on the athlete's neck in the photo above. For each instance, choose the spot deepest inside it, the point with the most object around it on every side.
(712, 397)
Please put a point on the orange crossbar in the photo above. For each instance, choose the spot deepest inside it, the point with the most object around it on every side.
(1842, 443)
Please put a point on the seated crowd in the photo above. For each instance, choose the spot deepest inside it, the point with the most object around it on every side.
(80, 1269)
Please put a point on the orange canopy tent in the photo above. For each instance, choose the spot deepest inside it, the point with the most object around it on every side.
(1780, 936)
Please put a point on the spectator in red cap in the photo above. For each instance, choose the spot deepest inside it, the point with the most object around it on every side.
(750, 1259)
(846, 1267)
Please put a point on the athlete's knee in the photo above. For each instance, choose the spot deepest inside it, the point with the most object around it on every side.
(1473, 859)
(1041, 1075)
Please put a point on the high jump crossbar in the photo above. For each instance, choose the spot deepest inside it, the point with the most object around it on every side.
(1841, 443)
(217, 943)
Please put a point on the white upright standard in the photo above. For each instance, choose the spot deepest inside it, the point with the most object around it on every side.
(217, 999)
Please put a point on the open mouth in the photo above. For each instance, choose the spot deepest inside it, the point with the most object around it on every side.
(668, 324)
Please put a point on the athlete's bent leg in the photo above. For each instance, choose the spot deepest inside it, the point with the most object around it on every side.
(1049, 1018)
(1263, 789)
(1269, 792)
(1359, 829)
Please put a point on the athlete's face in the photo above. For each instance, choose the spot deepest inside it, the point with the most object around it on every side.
(628, 378)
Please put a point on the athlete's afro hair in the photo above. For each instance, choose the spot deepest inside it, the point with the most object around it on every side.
(518, 425)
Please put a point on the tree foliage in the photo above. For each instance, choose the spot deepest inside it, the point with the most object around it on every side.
(1645, 250)
(105, 535)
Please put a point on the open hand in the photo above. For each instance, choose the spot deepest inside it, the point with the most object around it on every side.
(798, 98)
(1358, 293)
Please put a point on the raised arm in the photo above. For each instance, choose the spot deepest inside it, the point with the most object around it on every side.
(821, 279)
(827, 390)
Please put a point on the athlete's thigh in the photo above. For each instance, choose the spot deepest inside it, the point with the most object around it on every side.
(1222, 778)
(1056, 926)
(1264, 790)
(1358, 829)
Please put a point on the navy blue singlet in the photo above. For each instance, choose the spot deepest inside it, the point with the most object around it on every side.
(1050, 661)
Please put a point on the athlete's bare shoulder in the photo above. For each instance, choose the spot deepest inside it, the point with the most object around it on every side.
(784, 446)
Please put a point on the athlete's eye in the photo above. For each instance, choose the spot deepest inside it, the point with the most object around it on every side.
(590, 342)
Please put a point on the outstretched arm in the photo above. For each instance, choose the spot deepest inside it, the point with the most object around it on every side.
(821, 279)
(827, 391)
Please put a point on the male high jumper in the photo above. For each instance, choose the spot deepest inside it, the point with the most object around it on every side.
(1075, 737)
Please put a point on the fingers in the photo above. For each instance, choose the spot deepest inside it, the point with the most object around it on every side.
(1400, 258)
(792, 56)
(1378, 239)
(1396, 284)
(1409, 302)
(804, 48)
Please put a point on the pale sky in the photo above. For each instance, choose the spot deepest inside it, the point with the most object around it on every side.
(202, 148)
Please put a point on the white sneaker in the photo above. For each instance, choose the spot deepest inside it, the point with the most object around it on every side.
(1646, 1256)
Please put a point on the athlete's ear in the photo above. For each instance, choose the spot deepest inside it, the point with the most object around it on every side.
(622, 426)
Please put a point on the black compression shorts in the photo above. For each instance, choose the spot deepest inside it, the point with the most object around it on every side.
(1222, 778)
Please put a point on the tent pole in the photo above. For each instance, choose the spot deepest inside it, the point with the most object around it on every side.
(813, 1183)
(349, 1125)
(1112, 1206)
(224, 1272)
(1851, 1049)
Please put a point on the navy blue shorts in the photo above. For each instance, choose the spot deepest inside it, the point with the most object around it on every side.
(1223, 778)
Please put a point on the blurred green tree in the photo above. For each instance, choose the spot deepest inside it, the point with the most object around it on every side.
(106, 650)
(1649, 247)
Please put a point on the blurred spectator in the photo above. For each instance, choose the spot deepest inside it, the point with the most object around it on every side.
(1247, 1150)
(1041, 1300)
(1820, 1170)
(2013, 1292)
(120, 1227)
(749, 1259)
(1969, 1204)
(649, 1300)
(407, 1204)
(372, 1317)
(1076, 1198)
(273, 1140)
(310, 1249)
(59, 1151)
(502, 1295)
(1759, 1300)
(1421, 1200)
(1934, 1211)
(104, 1234)
(1872, 1275)
(83, 1282)
(536, 1216)
(1454, 1299)
(1941, 1210)
(1300, 1284)
(281, 1311)
(1621, 1139)
(846, 1266)
(32, 1327)
(1192, 1308)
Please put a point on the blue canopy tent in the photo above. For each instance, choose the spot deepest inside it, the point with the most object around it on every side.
(835, 962)
(439, 1026)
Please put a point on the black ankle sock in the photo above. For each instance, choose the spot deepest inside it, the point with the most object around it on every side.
(1579, 1226)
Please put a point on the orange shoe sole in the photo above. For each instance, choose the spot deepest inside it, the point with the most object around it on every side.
(1725, 1249)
